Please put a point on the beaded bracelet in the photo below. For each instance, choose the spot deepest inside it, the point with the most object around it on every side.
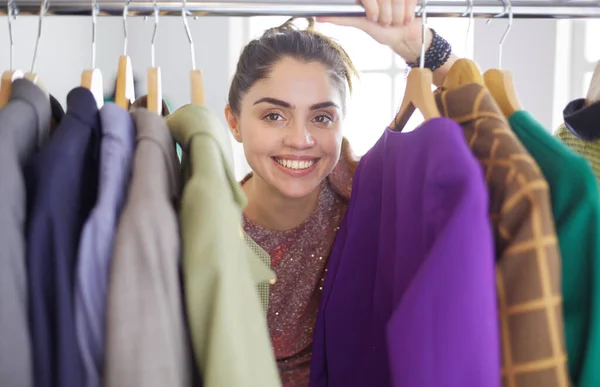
(437, 55)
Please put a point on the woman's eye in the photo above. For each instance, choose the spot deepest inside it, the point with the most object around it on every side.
(273, 117)
(323, 119)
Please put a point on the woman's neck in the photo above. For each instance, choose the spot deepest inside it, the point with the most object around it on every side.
(268, 208)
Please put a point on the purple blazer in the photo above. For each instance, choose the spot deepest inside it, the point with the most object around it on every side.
(410, 298)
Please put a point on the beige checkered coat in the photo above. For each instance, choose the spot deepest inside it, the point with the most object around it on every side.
(528, 259)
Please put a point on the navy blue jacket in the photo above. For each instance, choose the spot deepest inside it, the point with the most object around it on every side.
(62, 180)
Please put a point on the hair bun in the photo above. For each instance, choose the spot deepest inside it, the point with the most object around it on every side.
(289, 25)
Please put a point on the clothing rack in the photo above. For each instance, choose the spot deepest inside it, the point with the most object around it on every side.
(481, 9)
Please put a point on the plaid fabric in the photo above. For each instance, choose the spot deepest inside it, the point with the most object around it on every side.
(263, 288)
(588, 149)
(528, 259)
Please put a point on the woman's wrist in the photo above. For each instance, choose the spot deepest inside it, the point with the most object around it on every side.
(410, 49)
(438, 54)
(439, 75)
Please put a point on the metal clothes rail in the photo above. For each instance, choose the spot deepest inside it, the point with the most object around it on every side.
(547, 9)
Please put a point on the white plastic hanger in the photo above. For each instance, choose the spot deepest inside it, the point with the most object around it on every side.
(500, 82)
(196, 81)
(125, 88)
(154, 102)
(9, 76)
(91, 78)
(418, 93)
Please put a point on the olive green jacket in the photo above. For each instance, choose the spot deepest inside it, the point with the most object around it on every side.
(220, 268)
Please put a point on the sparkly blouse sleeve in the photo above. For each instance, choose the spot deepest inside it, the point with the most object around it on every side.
(342, 174)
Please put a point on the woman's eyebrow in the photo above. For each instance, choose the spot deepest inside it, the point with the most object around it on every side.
(273, 101)
(322, 105)
(278, 102)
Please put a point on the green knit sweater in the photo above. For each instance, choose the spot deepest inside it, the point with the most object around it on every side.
(588, 149)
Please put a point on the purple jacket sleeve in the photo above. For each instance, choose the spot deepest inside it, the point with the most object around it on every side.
(444, 330)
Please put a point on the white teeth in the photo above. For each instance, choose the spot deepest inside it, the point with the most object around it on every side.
(295, 164)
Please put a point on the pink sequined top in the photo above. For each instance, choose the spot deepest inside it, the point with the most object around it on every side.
(299, 258)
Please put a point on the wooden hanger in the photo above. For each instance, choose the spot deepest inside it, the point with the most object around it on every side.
(501, 86)
(6, 85)
(9, 76)
(31, 75)
(154, 100)
(124, 90)
(125, 87)
(35, 78)
(91, 79)
(197, 87)
(500, 82)
(462, 72)
(196, 80)
(418, 95)
(593, 94)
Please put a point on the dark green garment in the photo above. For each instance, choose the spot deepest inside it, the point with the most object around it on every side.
(576, 208)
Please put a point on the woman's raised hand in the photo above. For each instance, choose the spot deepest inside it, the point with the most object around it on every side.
(389, 22)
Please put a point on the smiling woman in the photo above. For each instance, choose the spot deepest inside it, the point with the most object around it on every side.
(285, 119)
(287, 105)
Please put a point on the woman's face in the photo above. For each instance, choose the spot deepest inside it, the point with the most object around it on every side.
(290, 126)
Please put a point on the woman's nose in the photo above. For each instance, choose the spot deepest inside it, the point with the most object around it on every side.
(298, 136)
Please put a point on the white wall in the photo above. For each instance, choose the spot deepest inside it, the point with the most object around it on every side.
(529, 53)
(65, 50)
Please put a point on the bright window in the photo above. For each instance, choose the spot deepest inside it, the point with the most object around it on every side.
(592, 48)
(585, 53)
(378, 93)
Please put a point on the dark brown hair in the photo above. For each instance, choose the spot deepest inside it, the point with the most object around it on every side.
(286, 40)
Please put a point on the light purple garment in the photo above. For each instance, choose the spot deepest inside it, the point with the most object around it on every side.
(95, 247)
(409, 299)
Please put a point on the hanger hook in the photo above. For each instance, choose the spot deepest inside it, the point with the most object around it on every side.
(156, 15)
(13, 11)
(125, 13)
(184, 13)
(43, 9)
(507, 8)
(468, 12)
(423, 33)
(95, 12)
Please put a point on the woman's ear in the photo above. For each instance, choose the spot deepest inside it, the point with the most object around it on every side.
(233, 123)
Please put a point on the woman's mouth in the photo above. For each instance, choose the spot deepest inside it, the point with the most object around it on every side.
(295, 168)
(295, 164)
